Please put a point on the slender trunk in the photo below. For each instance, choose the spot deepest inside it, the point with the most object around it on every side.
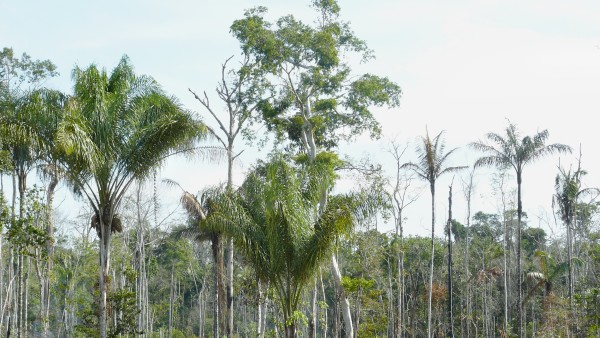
(343, 300)
(429, 333)
(519, 279)
(570, 239)
(260, 328)
(25, 328)
(357, 310)
(171, 291)
(230, 159)
(19, 296)
(325, 321)
(467, 298)
(312, 323)
(450, 313)
(2, 287)
(105, 234)
(22, 184)
(141, 284)
(45, 282)
(201, 310)
(391, 310)
(230, 288)
(400, 262)
(1, 265)
(217, 249)
(505, 257)
(265, 312)
(570, 263)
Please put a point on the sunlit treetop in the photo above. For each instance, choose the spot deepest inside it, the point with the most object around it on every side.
(316, 99)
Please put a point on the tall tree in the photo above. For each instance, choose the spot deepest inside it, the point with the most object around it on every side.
(431, 164)
(197, 210)
(317, 101)
(400, 197)
(568, 190)
(468, 187)
(513, 151)
(26, 112)
(117, 129)
(240, 91)
(48, 106)
(450, 330)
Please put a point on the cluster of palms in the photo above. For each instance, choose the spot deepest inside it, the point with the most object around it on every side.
(115, 129)
(502, 151)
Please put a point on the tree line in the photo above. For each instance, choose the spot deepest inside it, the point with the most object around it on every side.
(282, 253)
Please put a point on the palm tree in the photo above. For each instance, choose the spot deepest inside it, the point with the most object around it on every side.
(48, 107)
(516, 152)
(568, 191)
(430, 166)
(28, 125)
(196, 230)
(275, 222)
(550, 270)
(117, 129)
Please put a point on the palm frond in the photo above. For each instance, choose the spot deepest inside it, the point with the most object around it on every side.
(192, 232)
(192, 206)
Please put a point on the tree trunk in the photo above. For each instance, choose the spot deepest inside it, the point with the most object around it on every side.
(230, 288)
(505, 257)
(325, 321)
(432, 188)
(450, 304)
(45, 282)
(290, 331)
(230, 159)
(219, 292)
(357, 311)
(25, 328)
(171, 291)
(260, 330)
(105, 232)
(312, 322)
(343, 300)
(519, 279)
(570, 263)
(400, 263)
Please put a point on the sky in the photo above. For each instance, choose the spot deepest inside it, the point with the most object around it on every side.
(465, 67)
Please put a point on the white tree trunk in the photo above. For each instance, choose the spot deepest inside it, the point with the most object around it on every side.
(104, 268)
(344, 303)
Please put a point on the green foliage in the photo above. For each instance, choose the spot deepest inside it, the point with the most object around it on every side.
(458, 230)
(533, 239)
(121, 303)
(28, 232)
(354, 284)
(274, 222)
(319, 98)
(17, 73)
(119, 127)
(589, 302)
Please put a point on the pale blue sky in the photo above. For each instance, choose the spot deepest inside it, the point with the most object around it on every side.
(464, 66)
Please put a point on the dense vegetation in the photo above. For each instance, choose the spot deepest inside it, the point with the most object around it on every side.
(283, 253)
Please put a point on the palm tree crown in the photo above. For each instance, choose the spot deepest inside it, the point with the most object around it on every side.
(117, 129)
(273, 219)
(432, 159)
(514, 151)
